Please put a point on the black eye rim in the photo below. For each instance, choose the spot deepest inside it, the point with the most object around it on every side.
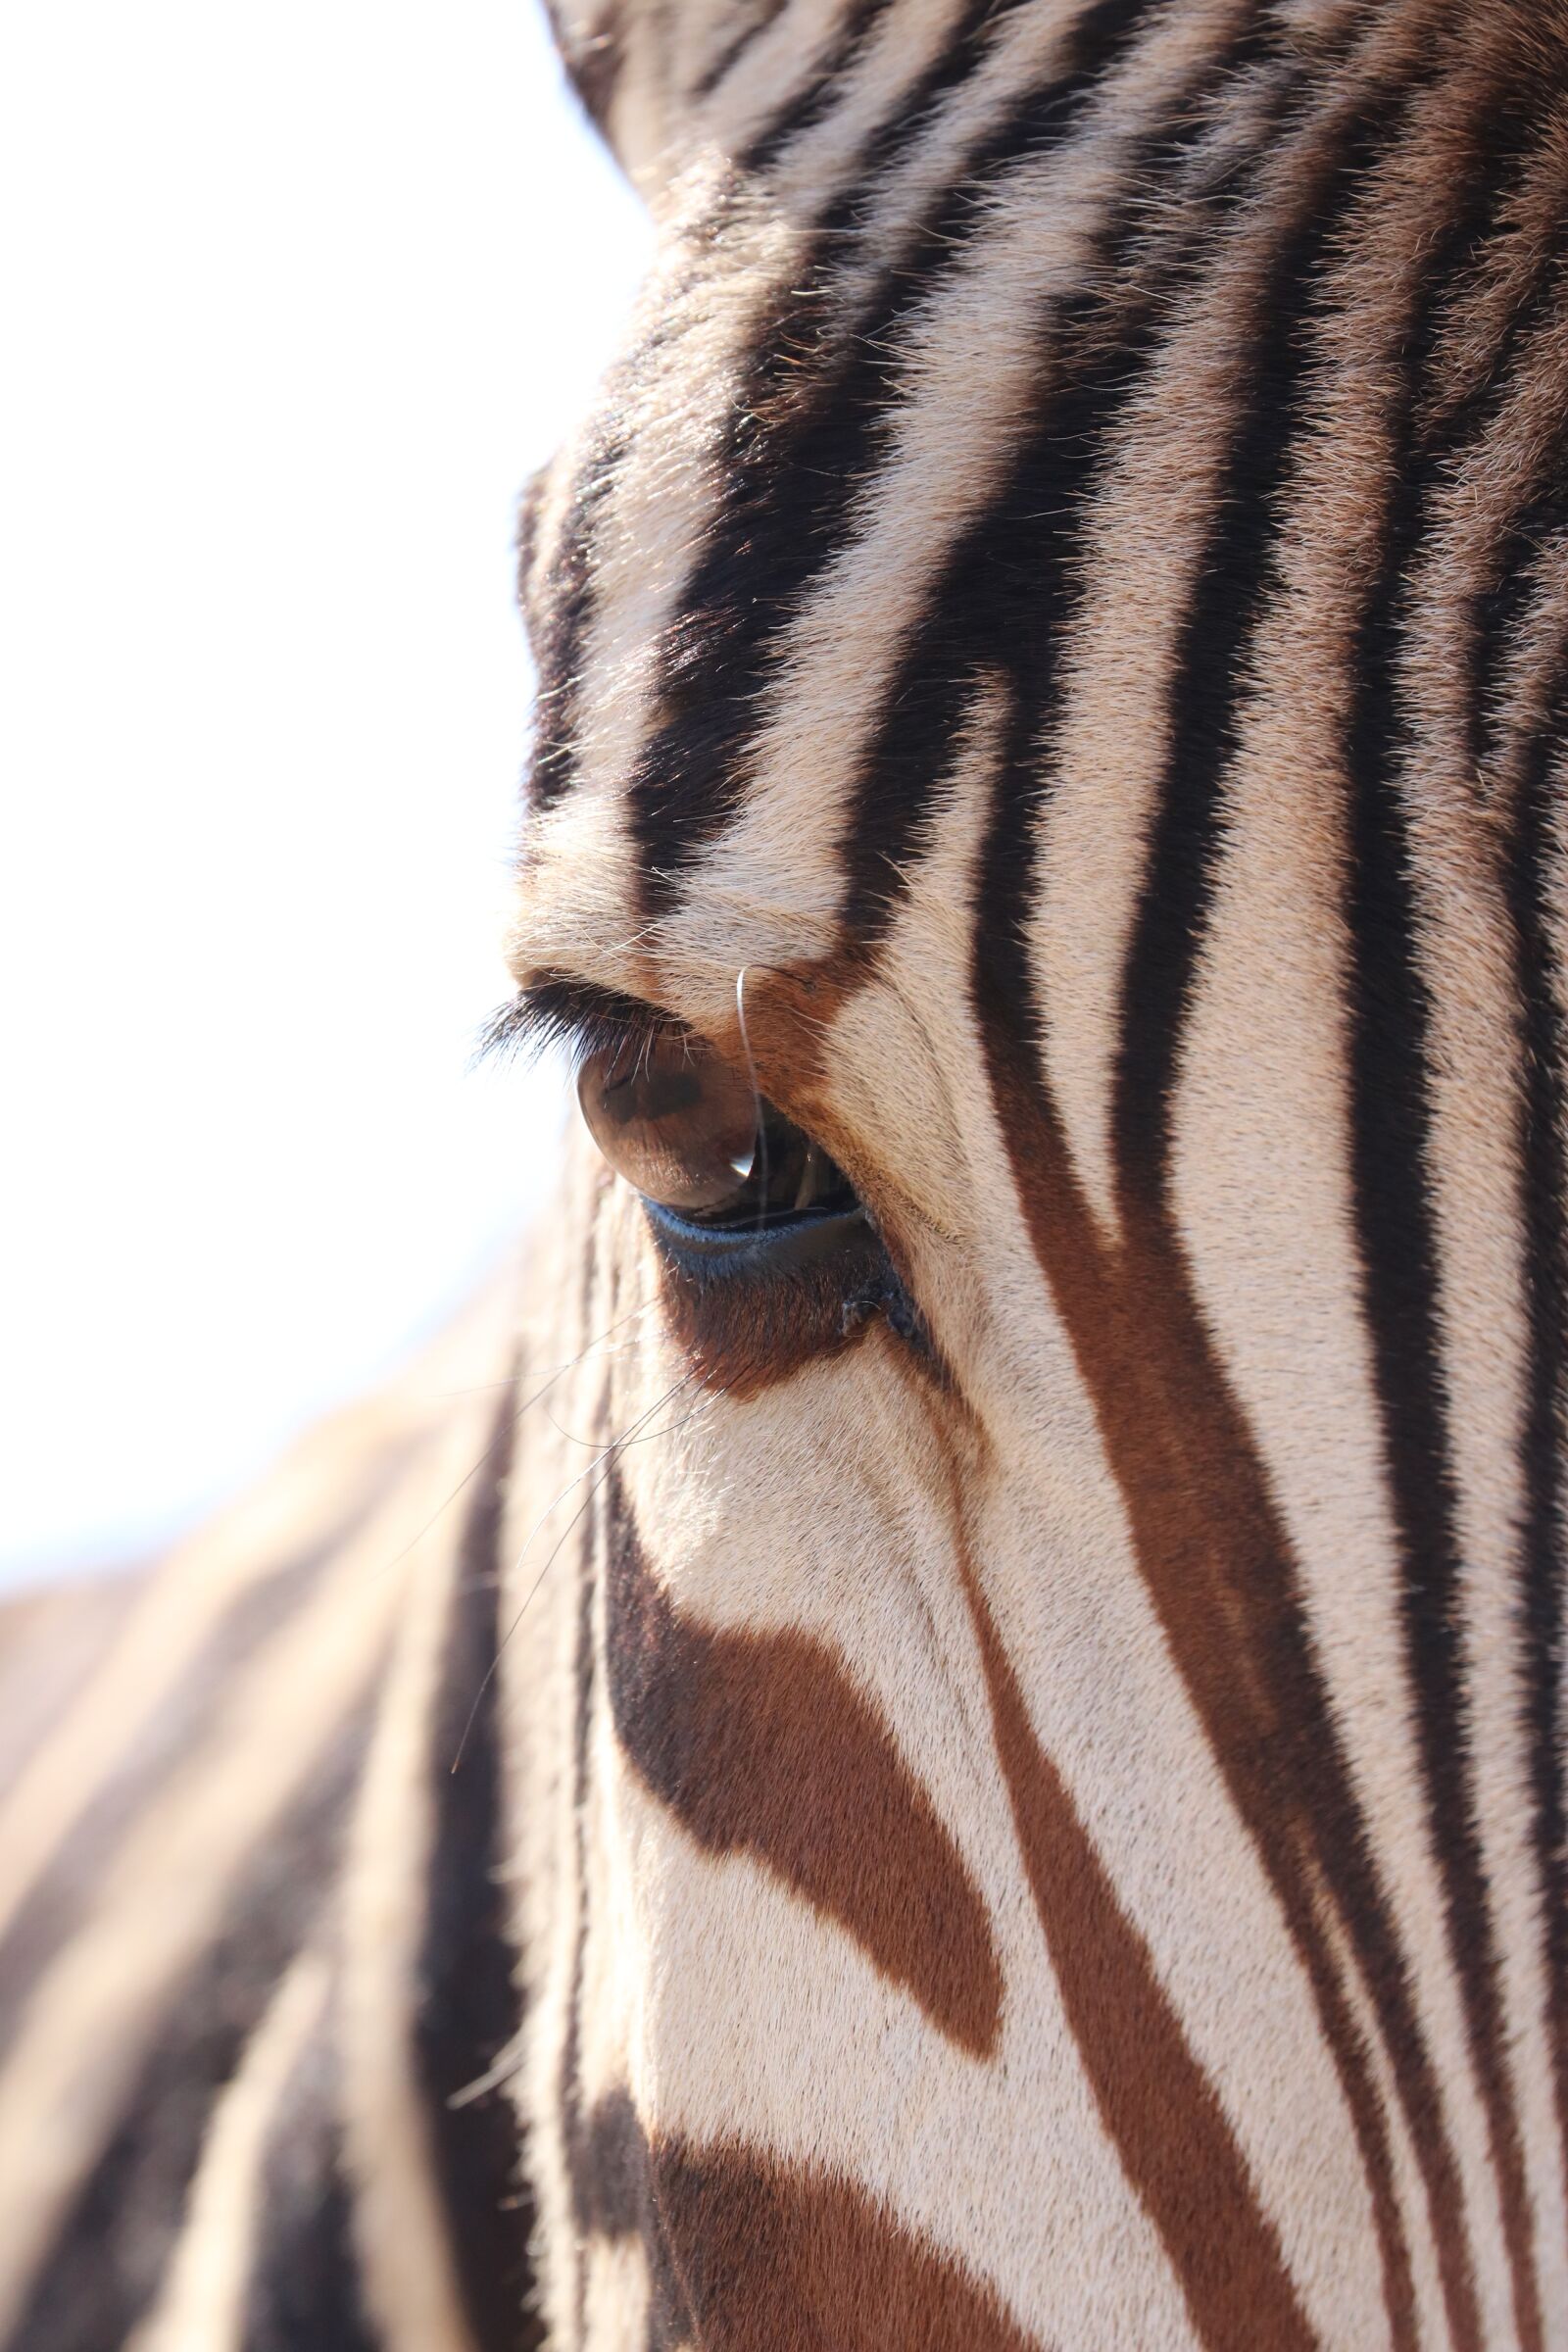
(777, 1245)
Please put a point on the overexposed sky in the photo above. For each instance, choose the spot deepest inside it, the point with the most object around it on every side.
(294, 299)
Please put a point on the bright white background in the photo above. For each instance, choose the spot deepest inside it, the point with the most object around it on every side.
(293, 300)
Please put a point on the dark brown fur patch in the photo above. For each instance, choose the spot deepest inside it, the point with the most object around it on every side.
(1157, 2105)
(762, 1745)
(775, 2258)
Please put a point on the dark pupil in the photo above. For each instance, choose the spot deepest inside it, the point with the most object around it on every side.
(669, 1092)
(683, 1126)
(781, 1156)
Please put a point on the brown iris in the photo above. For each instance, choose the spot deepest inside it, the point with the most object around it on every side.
(672, 1118)
(690, 1133)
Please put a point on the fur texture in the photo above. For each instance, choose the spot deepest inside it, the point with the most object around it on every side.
(1025, 1807)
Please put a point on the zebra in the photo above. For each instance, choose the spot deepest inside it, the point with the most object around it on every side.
(941, 1723)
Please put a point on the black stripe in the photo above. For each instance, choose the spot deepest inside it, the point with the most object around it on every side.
(729, 57)
(1212, 674)
(604, 2156)
(568, 602)
(1009, 590)
(469, 2009)
(111, 2250)
(794, 460)
(1213, 666)
(1228, 583)
(1449, 428)
(305, 2288)
(187, 1718)
(1535, 904)
(1502, 610)
(1392, 1159)
(822, 90)
(560, 636)
(977, 31)
(607, 2150)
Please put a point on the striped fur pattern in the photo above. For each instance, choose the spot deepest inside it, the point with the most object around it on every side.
(1025, 1808)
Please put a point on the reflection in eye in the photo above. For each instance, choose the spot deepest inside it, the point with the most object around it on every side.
(685, 1128)
(673, 1119)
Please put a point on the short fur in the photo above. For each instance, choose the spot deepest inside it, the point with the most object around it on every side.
(1023, 1807)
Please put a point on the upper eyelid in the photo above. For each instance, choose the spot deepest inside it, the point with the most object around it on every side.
(555, 1010)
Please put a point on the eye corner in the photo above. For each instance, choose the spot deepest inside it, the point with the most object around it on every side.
(771, 1256)
(886, 1299)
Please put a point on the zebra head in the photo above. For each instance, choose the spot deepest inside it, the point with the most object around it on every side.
(1043, 838)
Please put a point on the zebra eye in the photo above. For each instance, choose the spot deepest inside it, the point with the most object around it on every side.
(769, 1258)
(709, 1156)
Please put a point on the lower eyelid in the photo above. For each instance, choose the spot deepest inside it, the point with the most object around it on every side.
(750, 1310)
(806, 1241)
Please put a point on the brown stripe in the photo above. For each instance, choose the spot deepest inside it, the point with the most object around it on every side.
(1219, 1567)
(1222, 1580)
(612, 2183)
(749, 2254)
(775, 2258)
(763, 1745)
(1155, 2100)
(1210, 1540)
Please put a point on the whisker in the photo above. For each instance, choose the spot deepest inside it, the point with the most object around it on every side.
(756, 1094)
(589, 1468)
(484, 1388)
(616, 1445)
(499, 1434)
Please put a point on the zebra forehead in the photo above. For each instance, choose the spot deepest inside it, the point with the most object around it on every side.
(913, 462)
(932, 544)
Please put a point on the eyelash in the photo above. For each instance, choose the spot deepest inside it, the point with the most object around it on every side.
(748, 1305)
(555, 1011)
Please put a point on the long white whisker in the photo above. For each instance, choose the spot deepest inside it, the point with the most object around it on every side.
(527, 1405)
(616, 1445)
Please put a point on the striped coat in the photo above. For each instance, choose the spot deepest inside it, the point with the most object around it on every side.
(995, 1585)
